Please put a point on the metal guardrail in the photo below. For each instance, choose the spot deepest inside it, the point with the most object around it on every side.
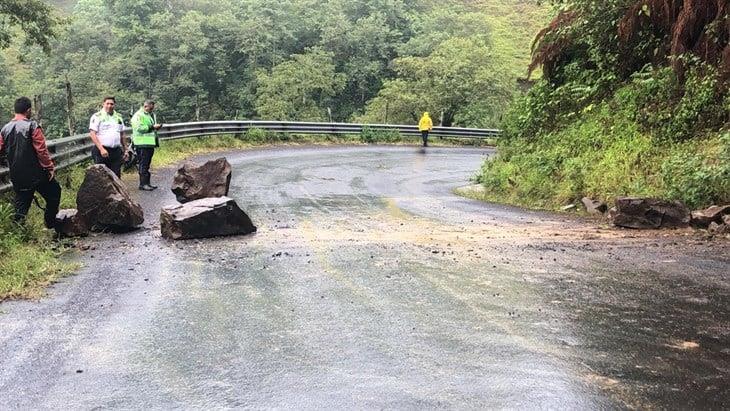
(68, 151)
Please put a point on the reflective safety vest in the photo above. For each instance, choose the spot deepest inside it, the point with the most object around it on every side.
(143, 134)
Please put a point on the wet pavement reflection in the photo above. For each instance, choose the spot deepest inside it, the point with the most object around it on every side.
(371, 285)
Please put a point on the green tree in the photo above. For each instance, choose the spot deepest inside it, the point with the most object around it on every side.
(461, 78)
(33, 18)
(299, 89)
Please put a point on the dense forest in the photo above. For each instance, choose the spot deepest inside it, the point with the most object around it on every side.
(345, 60)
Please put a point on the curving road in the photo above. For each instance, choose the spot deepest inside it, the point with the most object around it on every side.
(370, 285)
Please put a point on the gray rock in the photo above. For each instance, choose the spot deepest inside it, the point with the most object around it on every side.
(103, 202)
(718, 229)
(632, 212)
(594, 206)
(726, 219)
(70, 224)
(611, 214)
(703, 218)
(207, 217)
(195, 181)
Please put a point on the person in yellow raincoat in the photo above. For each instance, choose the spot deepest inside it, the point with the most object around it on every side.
(424, 126)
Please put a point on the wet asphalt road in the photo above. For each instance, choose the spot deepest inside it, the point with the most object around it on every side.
(370, 285)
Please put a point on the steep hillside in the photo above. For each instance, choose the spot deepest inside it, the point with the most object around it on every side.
(514, 26)
(635, 100)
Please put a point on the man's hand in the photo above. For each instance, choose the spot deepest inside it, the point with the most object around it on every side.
(157, 126)
(51, 174)
(103, 152)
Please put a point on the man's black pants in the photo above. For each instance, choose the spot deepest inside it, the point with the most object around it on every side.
(144, 154)
(50, 191)
(114, 161)
(424, 137)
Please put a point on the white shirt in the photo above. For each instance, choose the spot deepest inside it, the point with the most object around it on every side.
(108, 128)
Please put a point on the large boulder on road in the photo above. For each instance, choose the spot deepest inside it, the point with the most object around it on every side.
(634, 212)
(70, 224)
(207, 217)
(195, 181)
(703, 218)
(103, 202)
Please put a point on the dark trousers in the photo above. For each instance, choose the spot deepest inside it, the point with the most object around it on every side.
(50, 191)
(424, 137)
(144, 154)
(114, 161)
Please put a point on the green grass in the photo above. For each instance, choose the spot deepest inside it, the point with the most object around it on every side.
(604, 154)
(514, 25)
(30, 256)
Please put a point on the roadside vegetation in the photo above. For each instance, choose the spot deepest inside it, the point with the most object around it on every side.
(634, 100)
(30, 255)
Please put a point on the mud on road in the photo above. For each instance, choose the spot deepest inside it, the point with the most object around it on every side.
(371, 285)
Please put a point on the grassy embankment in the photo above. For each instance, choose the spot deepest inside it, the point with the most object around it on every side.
(617, 147)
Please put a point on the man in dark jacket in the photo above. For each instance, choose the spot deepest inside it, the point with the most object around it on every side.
(31, 167)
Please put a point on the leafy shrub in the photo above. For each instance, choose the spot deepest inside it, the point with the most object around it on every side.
(671, 111)
(698, 172)
(605, 153)
(8, 231)
(370, 135)
(258, 135)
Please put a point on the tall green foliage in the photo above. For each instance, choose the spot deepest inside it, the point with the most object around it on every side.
(460, 80)
(35, 18)
(299, 89)
(293, 59)
(616, 114)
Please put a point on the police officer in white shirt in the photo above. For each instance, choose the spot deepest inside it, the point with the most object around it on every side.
(106, 128)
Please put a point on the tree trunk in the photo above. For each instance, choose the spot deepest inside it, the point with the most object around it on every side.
(38, 105)
(69, 108)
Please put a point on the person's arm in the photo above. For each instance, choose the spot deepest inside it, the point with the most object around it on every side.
(123, 141)
(93, 129)
(41, 150)
(2, 148)
(122, 137)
